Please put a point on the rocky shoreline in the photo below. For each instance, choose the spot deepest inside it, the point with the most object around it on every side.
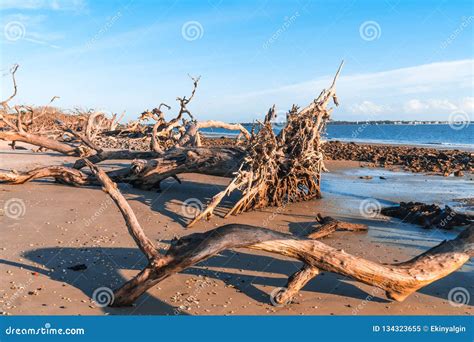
(409, 158)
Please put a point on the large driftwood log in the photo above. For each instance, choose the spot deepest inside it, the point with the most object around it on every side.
(398, 280)
(40, 141)
(144, 174)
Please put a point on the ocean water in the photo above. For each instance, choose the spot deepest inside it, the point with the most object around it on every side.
(440, 135)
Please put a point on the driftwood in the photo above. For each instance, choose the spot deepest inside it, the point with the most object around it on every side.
(428, 216)
(398, 280)
(269, 170)
(330, 225)
(281, 168)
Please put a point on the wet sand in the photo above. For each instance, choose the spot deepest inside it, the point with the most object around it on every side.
(64, 226)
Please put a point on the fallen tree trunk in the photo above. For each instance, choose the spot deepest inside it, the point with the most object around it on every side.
(144, 174)
(41, 141)
(398, 280)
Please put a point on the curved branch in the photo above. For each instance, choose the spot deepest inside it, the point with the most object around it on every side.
(220, 124)
(40, 141)
(134, 228)
(60, 173)
(398, 280)
(4, 103)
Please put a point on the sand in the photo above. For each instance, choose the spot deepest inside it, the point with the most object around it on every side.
(64, 226)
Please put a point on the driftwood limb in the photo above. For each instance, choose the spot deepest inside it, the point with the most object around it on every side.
(146, 174)
(330, 225)
(295, 283)
(4, 103)
(134, 228)
(62, 174)
(398, 280)
(40, 141)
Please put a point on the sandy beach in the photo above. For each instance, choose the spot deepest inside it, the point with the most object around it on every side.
(64, 226)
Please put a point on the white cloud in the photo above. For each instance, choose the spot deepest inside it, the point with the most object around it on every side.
(433, 89)
(55, 5)
(467, 104)
(367, 107)
(415, 105)
(438, 106)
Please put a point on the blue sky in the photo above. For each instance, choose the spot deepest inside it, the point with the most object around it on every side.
(403, 59)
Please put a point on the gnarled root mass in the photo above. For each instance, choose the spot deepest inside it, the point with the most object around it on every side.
(284, 167)
(398, 280)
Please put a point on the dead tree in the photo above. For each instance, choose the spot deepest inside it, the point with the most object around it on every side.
(398, 280)
(270, 170)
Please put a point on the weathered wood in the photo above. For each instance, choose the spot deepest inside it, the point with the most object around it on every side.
(217, 162)
(40, 141)
(295, 283)
(398, 280)
(330, 225)
(144, 174)
(270, 170)
(134, 228)
(60, 173)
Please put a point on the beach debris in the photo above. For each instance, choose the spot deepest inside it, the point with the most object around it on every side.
(398, 280)
(328, 225)
(428, 215)
(414, 159)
